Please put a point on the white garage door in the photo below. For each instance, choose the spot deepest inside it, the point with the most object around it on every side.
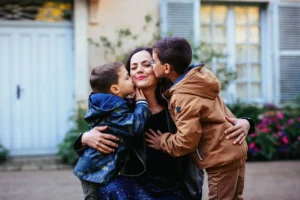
(36, 85)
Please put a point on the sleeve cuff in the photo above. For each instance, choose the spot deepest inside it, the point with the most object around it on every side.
(252, 125)
(142, 101)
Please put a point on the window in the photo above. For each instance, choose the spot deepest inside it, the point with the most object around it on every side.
(47, 11)
(235, 32)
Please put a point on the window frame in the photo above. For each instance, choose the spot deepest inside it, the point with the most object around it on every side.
(231, 95)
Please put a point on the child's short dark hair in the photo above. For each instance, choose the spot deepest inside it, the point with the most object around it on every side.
(103, 77)
(175, 51)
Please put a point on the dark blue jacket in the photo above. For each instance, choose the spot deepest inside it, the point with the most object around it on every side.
(113, 111)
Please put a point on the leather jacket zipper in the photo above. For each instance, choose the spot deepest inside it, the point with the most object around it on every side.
(141, 161)
(199, 156)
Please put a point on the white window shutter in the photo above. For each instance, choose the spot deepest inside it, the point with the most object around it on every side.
(289, 40)
(180, 18)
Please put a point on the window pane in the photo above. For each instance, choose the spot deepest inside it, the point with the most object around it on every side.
(255, 90)
(220, 66)
(206, 14)
(241, 54)
(255, 73)
(255, 54)
(220, 14)
(241, 72)
(242, 91)
(205, 34)
(220, 49)
(240, 34)
(254, 34)
(207, 66)
(240, 15)
(220, 34)
(253, 15)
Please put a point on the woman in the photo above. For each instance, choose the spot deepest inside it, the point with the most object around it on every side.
(161, 180)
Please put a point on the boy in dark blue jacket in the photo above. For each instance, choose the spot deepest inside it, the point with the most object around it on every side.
(107, 107)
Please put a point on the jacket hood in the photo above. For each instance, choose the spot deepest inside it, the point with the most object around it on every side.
(197, 81)
(100, 104)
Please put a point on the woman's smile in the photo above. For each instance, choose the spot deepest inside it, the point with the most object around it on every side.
(141, 77)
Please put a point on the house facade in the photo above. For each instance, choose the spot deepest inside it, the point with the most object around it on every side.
(260, 39)
(45, 66)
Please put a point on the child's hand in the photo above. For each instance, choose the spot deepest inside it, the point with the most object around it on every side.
(131, 96)
(153, 139)
(139, 95)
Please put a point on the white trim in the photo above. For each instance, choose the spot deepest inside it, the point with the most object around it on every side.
(25, 23)
(276, 67)
(290, 53)
(163, 18)
(180, 1)
(81, 50)
(236, 1)
(197, 24)
(231, 65)
(267, 87)
(289, 4)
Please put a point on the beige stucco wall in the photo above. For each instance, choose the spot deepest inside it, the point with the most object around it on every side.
(116, 14)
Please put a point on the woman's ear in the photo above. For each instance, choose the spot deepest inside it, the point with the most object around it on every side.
(115, 89)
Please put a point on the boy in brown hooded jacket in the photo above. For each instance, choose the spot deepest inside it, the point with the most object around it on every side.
(199, 114)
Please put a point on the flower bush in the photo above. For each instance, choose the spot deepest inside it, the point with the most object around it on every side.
(277, 135)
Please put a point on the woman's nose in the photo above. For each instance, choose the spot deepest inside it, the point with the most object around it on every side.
(140, 68)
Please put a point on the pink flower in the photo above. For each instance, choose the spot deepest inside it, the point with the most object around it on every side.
(265, 130)
(298, 119)
(285, 140)
(281, 115)
(278, 127)
(291, 121)
(298, 138)
(252, 135)
(252, 145)
(260, 125)
(280, 133)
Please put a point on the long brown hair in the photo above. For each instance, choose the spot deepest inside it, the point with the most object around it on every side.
(162, 85)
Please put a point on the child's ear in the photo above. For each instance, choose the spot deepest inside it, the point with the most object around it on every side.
(115, 89)
(168, 68)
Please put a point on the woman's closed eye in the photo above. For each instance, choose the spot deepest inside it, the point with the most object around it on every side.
(147, 64)
(133, 67)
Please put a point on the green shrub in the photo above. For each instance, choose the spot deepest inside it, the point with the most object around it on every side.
(246, 110)
(66, 152)
(4, 153)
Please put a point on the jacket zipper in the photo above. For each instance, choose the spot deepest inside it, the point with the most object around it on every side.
(196, 181)
(141, 161)
(199, 156)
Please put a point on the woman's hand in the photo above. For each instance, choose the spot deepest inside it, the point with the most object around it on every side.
(105, 143)
(153, 139)
(239, 130)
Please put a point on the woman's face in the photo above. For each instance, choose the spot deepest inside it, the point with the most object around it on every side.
(141, 70)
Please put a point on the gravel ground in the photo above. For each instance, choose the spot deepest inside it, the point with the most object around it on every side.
(264, 181)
